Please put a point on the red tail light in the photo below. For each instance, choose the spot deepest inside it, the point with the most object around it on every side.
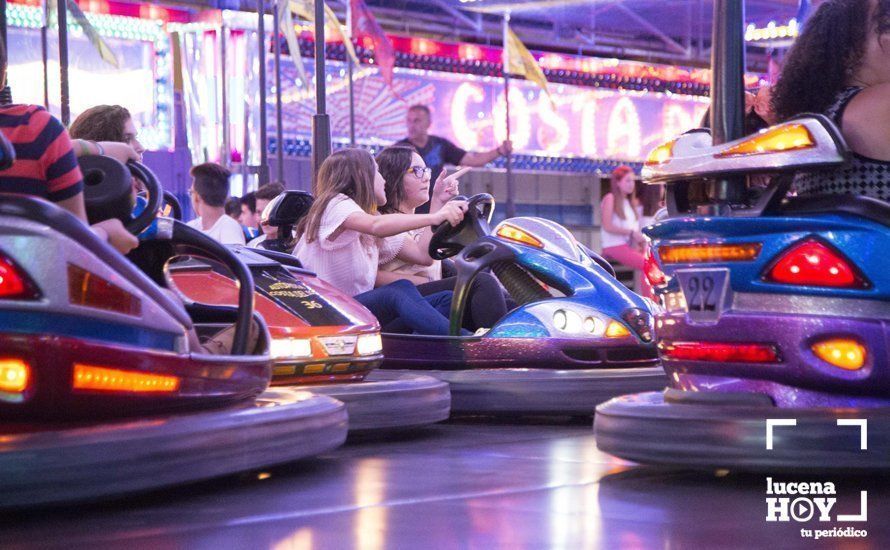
(89, 290)
(14, 282)
(650, 267)
(720, 352)
(814, 263)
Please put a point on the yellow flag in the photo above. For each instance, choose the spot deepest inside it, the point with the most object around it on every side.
(286, 22)
(519, 61)
(104, 51)
(305, 9)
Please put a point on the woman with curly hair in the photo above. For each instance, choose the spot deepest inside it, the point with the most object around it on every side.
(840, 66)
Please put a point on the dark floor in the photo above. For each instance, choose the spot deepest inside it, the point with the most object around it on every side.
(467, 484)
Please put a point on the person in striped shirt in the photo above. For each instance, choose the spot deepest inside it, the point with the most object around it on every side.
(46, 163)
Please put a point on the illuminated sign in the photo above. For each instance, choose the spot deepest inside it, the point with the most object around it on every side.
(470, 110)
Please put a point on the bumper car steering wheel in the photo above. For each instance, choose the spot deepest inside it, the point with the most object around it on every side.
(109, 193)
(448, 240)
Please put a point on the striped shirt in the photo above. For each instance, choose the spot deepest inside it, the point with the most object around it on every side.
(45, 163)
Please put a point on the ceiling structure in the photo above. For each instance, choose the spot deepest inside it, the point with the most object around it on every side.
(666, 31)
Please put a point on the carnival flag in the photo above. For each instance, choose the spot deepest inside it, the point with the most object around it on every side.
(305, 9)
(519, 61)
(364, 24)
(104, 51)
(286, 21)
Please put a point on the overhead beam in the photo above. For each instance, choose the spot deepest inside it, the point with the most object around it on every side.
(669, 42)
(473, 23)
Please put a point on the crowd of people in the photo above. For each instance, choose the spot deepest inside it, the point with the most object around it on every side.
(369, 228)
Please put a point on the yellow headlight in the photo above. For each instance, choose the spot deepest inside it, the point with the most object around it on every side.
(515, 234)
(787, 137)
(616, 330)
(661, 154)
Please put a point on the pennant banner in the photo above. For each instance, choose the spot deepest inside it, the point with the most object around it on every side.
(519, 61)
(104, 51)
(365, 25)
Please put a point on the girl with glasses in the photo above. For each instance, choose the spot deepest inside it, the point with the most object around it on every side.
(343, 238)
(407, 187)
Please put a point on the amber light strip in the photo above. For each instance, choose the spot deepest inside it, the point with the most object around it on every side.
(88, 377)
(702, 253)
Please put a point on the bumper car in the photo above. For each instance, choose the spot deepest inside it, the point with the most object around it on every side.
(776, 329)
(576, 338)
(321, 340)
(101, 393)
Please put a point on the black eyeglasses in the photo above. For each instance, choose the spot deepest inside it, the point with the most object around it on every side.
(421, 172)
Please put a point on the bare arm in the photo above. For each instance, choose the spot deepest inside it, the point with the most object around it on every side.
(417, 252)
(608, 208)
(484, 157)
(393, 224)
(76, 206)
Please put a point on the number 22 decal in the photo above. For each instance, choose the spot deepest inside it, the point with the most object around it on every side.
(701, 293)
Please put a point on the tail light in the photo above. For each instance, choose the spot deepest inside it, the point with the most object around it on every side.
(720, 352)
(650, 268)
(91, 378)
(706, 253)
(814, 263)
(844, 353)
(89, 290)
(14, 282)
(14, 375)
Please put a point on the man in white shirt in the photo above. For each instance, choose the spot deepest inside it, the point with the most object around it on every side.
(209, 191)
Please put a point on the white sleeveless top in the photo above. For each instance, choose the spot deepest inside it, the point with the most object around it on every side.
(608, 239)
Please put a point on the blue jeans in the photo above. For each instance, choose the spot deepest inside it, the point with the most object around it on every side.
(401, 301)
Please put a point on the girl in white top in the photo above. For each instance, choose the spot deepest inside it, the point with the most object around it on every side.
(620, 235)
(343, 238)
(407, 187)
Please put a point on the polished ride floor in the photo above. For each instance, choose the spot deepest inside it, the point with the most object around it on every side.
(473, 483)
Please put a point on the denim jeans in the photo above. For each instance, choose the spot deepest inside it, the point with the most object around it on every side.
(401, 300)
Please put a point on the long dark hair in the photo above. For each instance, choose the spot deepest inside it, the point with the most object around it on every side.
(347, 171)
(825, 56)
(394, 163)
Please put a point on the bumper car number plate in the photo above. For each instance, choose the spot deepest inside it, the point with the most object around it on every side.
(706, 292)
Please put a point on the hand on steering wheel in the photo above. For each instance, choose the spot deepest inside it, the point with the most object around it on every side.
(452, 213)
(448, 238)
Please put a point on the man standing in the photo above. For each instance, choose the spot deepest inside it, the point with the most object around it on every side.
(438, 151)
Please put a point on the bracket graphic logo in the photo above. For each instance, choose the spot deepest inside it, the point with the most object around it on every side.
(806, 501)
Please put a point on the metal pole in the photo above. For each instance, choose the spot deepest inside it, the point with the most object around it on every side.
(321, 124)
(511, 205)
(728, 86)
(63, 61)
(44, 50)
(279, 131)
(349, 75)
(263, 168)
(226, 155)
(3, 23)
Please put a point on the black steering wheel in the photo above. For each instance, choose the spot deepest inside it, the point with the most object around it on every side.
(174, 204)
(190, 241)
(448, 240)
(154, 252)
(108, 192)
(155, 198)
